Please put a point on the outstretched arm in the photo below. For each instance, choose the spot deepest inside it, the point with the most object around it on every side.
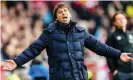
(102, 49)
(28, 54)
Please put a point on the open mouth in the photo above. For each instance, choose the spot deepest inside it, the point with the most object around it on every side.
(65, 17)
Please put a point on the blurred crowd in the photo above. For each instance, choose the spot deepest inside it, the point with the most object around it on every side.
(23, 21)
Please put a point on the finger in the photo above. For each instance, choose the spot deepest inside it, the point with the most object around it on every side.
(131, 58)
(7, 68)
(127, 59)
(7, 61)
(128, 53)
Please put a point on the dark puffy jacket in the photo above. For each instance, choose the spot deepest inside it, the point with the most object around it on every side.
(124, 42)
(65, 51)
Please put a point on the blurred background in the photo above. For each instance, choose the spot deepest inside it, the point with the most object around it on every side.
(23, 21)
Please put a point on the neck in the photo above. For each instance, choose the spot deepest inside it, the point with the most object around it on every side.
(123, 28)
(64, 23)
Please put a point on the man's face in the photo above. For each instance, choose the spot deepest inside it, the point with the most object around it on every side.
(63, 15)
(120, 21)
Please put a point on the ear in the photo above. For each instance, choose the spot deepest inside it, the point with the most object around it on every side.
(56, 19)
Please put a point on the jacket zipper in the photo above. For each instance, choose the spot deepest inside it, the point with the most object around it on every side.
(67, 36)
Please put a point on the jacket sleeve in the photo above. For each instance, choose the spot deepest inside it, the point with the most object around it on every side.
(112, 64)
(33, 50)
(101, 49)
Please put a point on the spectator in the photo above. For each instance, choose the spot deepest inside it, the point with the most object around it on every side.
(38, 71)
(121, 39)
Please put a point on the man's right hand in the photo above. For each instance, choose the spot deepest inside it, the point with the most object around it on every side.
(9, 65)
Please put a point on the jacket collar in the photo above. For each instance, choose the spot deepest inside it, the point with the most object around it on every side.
(79, 28)
(53, 26)
(62, 25)
(120, 30)
(71, 24)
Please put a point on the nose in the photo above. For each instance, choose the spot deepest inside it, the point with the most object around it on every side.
(63, 12)
(122, 20)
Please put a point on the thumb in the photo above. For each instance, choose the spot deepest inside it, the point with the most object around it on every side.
(128, 53)
(131, 58)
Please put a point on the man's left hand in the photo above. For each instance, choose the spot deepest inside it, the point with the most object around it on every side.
(125, 57)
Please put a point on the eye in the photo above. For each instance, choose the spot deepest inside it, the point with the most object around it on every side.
(65, 10)
(59, 12)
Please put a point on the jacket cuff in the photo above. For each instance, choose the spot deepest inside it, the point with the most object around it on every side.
(117, 52)
(119, 55)
(18, 65)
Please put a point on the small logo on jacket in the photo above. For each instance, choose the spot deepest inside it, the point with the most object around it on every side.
(118, 38)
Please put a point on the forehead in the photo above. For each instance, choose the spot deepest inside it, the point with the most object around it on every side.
(119, 15)
(62, 8)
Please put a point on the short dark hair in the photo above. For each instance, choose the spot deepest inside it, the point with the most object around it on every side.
(113, 18)
(60, 5)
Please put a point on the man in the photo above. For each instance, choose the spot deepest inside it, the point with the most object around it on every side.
(64, 42)
(123, 40)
